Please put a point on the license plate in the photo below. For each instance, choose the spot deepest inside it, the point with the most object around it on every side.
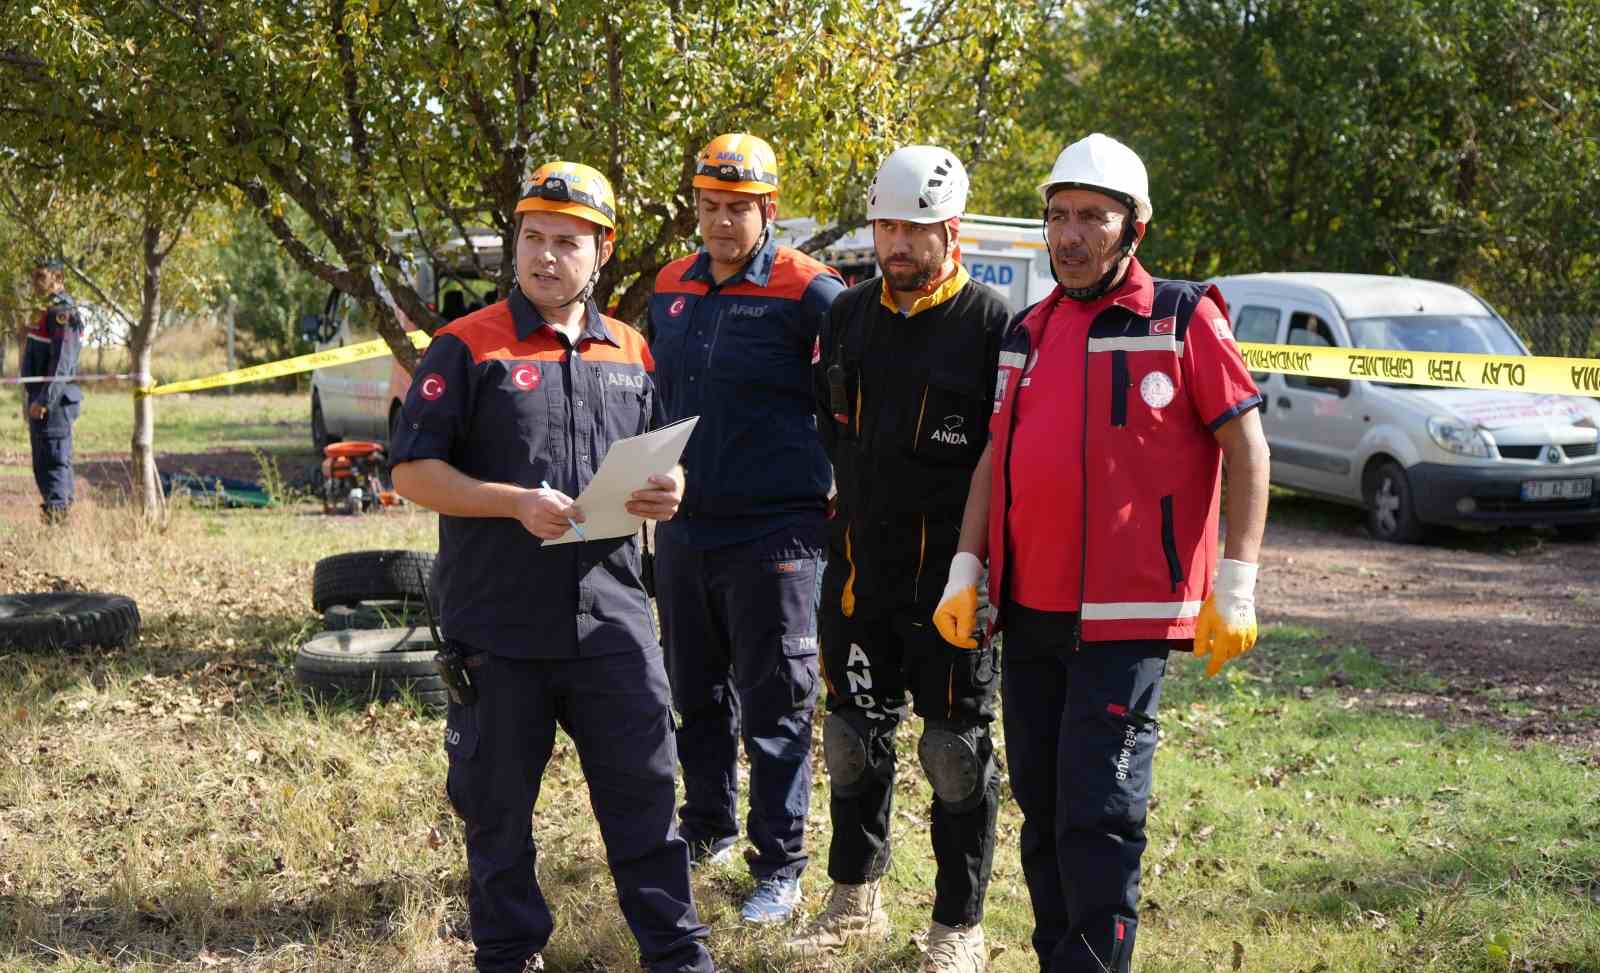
(1557, 489)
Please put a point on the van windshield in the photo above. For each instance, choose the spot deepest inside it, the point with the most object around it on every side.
(1435, 332)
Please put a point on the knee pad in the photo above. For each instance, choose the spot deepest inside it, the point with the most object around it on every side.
(845, 752)
(959, 762)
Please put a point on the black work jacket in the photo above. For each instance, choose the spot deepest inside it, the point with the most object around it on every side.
(903, 405)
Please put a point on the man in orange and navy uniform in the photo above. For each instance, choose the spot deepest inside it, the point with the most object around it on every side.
(512, 411)
(733, 328)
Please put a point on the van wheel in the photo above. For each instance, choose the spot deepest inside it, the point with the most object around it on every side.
(320, 437)
(1390, 516)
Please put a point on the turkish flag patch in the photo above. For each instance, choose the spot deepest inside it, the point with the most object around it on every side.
(432, 386)
(525, 377)
(1164, 326)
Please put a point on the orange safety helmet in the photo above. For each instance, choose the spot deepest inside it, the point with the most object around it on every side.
(574, 189)
(737, 163)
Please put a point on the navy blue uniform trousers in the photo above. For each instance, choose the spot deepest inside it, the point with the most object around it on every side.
(51, 439)
(1081, 735)
(616, 710)
(739, 624)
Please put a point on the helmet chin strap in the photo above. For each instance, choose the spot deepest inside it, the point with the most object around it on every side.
(761, 241)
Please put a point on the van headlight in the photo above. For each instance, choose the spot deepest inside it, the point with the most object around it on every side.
(1455, 436)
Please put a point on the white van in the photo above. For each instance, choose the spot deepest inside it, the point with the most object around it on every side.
(1006, 253)
(1414, 455)
(360, 400)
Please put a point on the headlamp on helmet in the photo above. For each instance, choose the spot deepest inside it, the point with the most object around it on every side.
(737, 163)
(574, 189)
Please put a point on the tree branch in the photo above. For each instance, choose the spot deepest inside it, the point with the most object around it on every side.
(18, 212)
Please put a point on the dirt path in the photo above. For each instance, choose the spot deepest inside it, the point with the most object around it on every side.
(1509, 622)
(105, 476)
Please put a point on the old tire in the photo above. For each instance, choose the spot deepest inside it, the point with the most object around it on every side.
(1390, 513)
(345, 579)
(372, 664)
(374, 614)
(56, 621)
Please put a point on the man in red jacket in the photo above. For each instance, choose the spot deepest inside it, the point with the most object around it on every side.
(1119, 400)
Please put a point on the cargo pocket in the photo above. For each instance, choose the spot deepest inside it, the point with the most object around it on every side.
(950, 423)
(461, 732)
(798, 666)
(460, 745)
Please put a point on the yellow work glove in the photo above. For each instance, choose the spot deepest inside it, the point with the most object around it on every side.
(956, 618)
(1227, 624)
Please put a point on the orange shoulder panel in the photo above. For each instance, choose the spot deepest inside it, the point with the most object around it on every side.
(670, 278)
(483, 330)
(792, 273)
(631, 343)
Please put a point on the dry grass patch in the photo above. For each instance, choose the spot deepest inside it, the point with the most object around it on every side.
(180, 807)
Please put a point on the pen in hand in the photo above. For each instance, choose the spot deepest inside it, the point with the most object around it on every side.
(575, 528)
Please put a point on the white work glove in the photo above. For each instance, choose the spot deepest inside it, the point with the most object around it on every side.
(1227, 624)
(956, 618)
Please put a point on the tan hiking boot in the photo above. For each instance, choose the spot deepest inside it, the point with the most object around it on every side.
(953, 950)
(854, 912)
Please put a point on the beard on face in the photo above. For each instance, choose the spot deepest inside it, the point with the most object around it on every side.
(914, 275)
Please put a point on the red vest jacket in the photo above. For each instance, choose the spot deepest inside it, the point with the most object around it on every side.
(1151, 466)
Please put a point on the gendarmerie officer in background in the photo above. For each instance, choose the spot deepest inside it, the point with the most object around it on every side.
(51, 353)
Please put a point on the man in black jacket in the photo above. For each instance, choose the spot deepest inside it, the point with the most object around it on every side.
(905, 371)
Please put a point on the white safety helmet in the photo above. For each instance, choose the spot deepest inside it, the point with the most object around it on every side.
(918, 184)
(1101, 163)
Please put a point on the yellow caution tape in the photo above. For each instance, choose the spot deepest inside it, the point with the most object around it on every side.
(376, 348)
(1511, 373)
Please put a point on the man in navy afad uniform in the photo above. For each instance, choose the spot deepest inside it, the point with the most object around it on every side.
(733, 327)
(904, 373)
(511, 412)
(51, 353)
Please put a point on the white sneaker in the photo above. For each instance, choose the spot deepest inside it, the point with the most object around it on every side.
(854, 912)
(954, 950)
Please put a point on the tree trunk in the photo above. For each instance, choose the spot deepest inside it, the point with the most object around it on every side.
(147, 480)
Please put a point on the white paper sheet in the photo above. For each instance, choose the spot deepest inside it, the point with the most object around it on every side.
(626, 467)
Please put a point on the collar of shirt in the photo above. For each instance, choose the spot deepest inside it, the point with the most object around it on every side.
(527, 319)
(949, 288)
(1136, 293)
(757, 271)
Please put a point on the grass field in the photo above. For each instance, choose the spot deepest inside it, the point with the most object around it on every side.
(178, 806)
(271, 422)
